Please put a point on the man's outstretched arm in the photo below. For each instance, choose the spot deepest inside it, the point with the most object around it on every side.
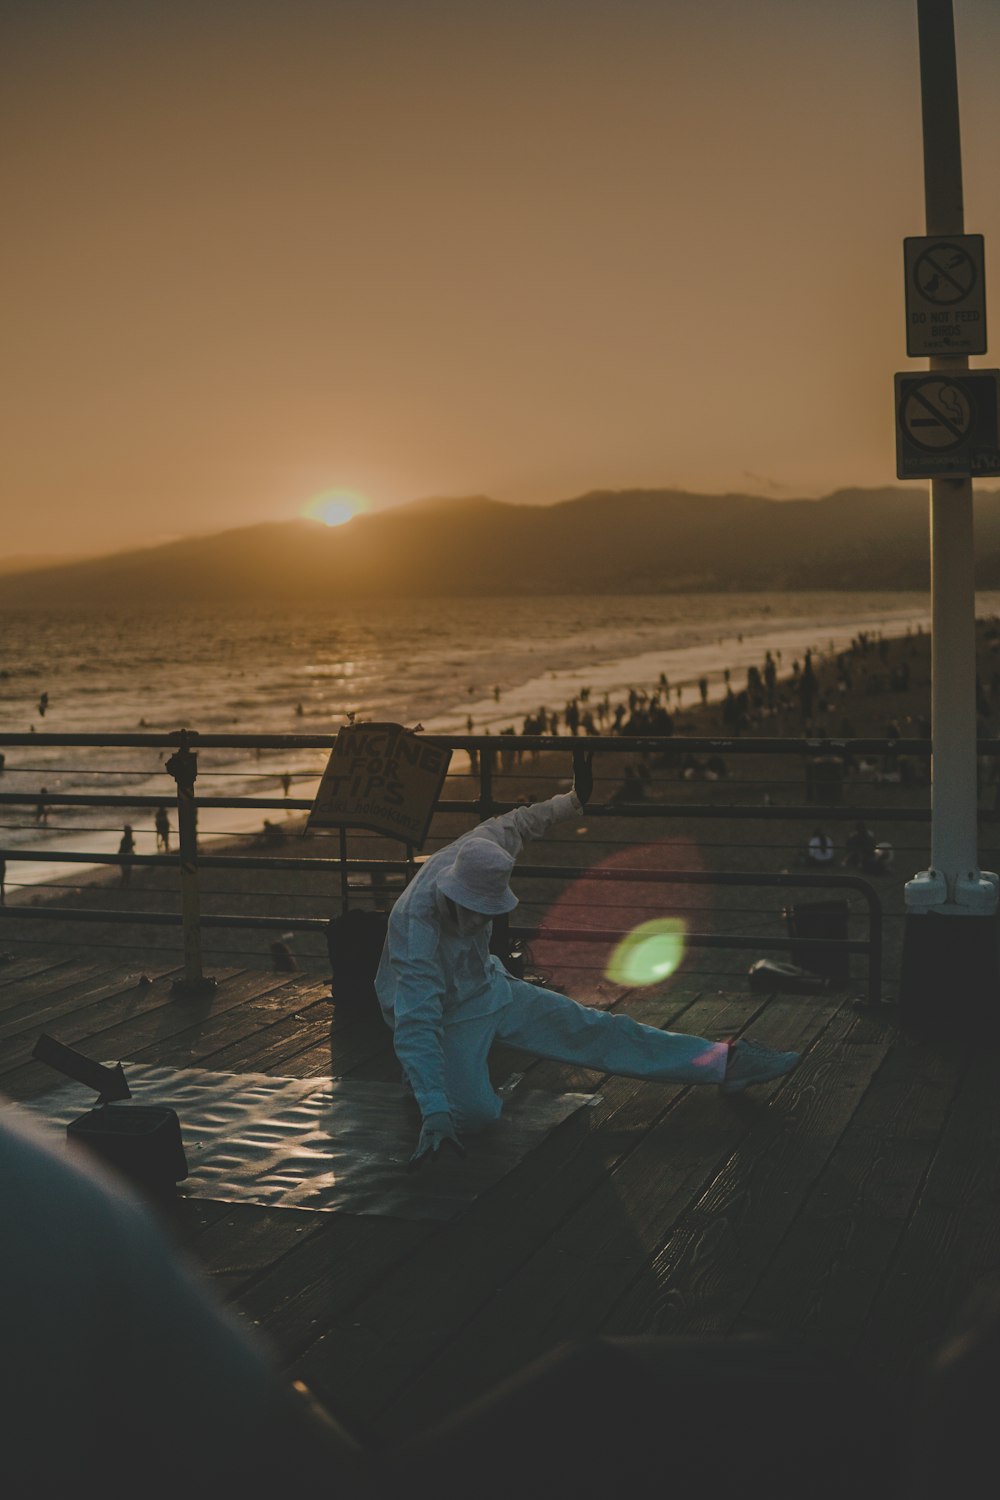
(514, 829)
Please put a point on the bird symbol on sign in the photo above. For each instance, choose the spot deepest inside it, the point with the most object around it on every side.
(932, 285)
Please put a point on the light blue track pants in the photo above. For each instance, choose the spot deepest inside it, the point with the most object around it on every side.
(554, 1026)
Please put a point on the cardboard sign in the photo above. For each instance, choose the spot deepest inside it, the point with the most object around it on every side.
(382, 777)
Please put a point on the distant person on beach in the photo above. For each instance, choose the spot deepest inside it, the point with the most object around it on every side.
(43, 704)
(41, 808)
(632, 789)
(447, 998)
(859, 850)
(865, 854)
(820, 850)
(885, 857)
(286, 783)
(126, 848)
(162, 825)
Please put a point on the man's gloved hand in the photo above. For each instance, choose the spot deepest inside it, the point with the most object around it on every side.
(436, 1133)
(583, 776)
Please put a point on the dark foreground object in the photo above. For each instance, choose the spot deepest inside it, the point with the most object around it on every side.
(649, 1417)
(142, 1141)
(949, 984)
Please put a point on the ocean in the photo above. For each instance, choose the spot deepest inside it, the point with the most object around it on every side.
(437, 662)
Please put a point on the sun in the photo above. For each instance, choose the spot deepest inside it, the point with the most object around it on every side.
(334, 507)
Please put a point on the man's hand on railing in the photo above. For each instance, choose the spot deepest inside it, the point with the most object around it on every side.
(583, 776)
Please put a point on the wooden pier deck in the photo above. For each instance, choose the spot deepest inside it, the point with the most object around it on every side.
(853, 1205)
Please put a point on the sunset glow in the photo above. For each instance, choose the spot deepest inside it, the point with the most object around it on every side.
(397, 282)
(334, 507)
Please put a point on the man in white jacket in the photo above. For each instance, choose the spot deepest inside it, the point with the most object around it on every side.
(447, 997)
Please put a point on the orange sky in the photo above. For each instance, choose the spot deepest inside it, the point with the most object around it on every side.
(523, 248)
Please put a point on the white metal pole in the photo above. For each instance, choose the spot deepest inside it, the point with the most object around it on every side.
(954, 883)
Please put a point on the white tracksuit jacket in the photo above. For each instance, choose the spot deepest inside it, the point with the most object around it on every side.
(431, 976)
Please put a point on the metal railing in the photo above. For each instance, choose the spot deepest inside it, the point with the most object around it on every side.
(492, 757)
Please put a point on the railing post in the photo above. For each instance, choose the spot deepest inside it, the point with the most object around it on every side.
(485, 785)
(345, 884)
(183, 767)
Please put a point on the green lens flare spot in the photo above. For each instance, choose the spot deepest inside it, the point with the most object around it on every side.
(649, 954)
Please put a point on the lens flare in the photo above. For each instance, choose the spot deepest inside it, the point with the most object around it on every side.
(334, 507)
(650, 953)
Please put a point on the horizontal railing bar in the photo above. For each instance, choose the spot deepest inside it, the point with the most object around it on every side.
(321, 924)
(616, 743)
(401, 867)
(216, 861)
(772, 813)
(697, 939)
(162, 918)
(796, 812)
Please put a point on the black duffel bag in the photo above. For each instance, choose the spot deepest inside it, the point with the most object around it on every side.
(355, 941)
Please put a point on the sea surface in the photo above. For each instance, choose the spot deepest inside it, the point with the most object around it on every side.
(438, 662)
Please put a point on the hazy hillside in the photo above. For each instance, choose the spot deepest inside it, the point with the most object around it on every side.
(643, 541)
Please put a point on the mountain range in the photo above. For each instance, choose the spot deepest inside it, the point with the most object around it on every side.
(615, 542)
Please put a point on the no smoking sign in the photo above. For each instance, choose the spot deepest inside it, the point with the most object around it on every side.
(947, 424)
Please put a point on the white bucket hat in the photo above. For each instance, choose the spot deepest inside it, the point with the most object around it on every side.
(478, 878)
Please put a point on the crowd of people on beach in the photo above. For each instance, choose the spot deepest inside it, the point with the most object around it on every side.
(810, 700)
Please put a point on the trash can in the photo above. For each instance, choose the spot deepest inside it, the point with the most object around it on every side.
(143, 1141)
(820, 919)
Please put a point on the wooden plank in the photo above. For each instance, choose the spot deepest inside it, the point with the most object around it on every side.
(158, 1015)
(344, 1260)
(244, 1240)
(356, 1044)
(266, 1049)
(567, 1289)
(269, 1000)
(18, 969)
(822, 1283)
(87, 1021)
(185, 1219)
(33, 1015)
(952, 1239)
(707, 1269)
(388, 1339)
(48, 982)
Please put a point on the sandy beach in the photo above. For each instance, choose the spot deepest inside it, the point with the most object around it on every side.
(880, 691)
